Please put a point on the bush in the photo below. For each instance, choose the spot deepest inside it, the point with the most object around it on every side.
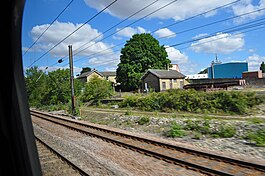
(198, 126)
(195, 101)
(175, 131)
(97, 89)
(258, 137)
(226, 131)
(143, 120)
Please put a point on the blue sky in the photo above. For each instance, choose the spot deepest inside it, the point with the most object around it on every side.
(183, 27)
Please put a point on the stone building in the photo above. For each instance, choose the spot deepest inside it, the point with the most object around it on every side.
(161, 80)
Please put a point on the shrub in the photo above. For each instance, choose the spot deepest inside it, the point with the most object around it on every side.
(175, 131)
(226, 131)
(97, 89)
(258, 137)
(143, 120)
(195, 101)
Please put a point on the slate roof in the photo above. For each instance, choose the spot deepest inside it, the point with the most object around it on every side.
(165, 74)
(108, 73)
(86, 74)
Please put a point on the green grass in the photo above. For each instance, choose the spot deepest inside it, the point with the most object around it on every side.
(258, 137)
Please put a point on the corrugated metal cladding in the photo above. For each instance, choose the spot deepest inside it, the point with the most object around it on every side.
(227, 70)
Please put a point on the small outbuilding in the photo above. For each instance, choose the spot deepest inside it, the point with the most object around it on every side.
(162, 80)
(252, 74)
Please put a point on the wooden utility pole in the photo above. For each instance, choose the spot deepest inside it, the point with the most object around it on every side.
(72, 78)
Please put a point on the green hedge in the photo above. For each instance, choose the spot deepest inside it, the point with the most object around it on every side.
(237, 102)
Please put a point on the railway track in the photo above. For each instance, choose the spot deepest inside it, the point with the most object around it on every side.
(51, 160)
(202, 162)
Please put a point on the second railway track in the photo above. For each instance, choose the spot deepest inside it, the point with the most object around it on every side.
(191, 159)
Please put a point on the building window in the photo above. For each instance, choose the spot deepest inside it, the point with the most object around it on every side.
(171, 84)
(181, 84)
(164, 86)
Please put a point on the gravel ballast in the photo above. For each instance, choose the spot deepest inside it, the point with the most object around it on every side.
(98, 157)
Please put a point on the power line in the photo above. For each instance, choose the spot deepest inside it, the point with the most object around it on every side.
(212, 23)
(114, 26)
(129, 25)
(152, 3)
(237, 28)
(181, 21)
(74, 32)
(187, 30)
(191, 28)
(261, 26)
(225, 5)
(48, 27)
(228, 30)
(219, 7)
(160, 8)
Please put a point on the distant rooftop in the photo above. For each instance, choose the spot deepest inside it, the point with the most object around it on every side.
(170, 74)
(108, 73)
(86, 74)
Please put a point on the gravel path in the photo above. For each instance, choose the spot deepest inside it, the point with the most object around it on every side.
(101, 158)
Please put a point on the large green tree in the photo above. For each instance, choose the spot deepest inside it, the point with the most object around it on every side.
(262, 67)
(139, 54)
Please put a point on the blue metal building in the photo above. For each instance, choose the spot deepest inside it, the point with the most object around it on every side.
(227, 70)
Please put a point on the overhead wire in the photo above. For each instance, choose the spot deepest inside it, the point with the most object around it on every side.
(130, 16)
(219, 7)
(48, 27)
(200, 14)
(94, 16)
(187, 30)
(212, 23)
(151, 13)
(225, 5)
(261, 26)
(159, 28)
(227, 30)
(194, 27)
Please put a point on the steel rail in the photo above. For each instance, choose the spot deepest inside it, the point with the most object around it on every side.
(71, 164)
(169, 158)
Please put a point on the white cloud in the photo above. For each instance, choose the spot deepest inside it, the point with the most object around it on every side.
(254, 62)
(246, 6)
(129, 31)
(111, 60)
(220, 43)
(185, 65)
(165, 32)
(178, 11)
(110, 69)
(176, 56)
(189, 68)
(251, 50)
(59, 30)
